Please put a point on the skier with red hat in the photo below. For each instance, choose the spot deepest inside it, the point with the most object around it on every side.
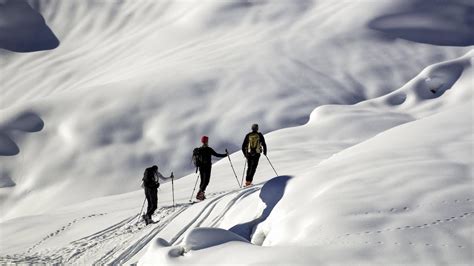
(204, 163)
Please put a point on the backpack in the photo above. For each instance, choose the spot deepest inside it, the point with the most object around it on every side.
(197, 157)
(254, 145)
(149, 178)
(148, 175)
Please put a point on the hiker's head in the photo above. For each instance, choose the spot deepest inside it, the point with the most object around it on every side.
(154, 168)
(255, 127)
(204, 139)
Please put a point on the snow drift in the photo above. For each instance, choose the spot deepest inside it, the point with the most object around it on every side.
(441, 23)
(22, 29)
(137, 83)
(402, 195)
(380, 173)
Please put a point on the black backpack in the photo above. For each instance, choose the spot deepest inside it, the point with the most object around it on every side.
(149, 178)
(197, 157)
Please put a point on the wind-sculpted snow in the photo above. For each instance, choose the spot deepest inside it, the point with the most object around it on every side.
(22, 29)
(25, 122)
(441, 23)
(201, 238)
(401, 195)
(136, 83)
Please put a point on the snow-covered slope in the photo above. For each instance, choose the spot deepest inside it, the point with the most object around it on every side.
(392, 185)
(367, 179)
(138, 82)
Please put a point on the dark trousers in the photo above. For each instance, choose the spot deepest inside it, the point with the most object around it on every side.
(205, 173)
(152, 200)
(252, 163)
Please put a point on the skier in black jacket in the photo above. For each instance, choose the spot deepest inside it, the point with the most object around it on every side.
(253, 144)
(151, 183)
(205, 165)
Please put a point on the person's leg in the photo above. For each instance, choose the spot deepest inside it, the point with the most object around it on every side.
(208, 177)
(149, 201)
(253, 163)
(154, 201)
(202, 175)
(249, 169)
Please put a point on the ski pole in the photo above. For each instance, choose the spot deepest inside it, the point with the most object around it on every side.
(143, 205)
(243, 174)
(172, 186)
(271, 165)
(194, 189)
(233, 170)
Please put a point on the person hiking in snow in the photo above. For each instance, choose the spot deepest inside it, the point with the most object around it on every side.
(151, 183)
(204, 163)
(254, 144)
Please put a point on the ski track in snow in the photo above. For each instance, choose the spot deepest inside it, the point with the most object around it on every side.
(132, 236)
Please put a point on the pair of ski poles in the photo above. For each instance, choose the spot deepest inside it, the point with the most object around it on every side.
(245, 165)
(233, 170)
(172, 192)
(240, 184)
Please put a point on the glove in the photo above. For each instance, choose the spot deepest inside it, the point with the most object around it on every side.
(265, 153)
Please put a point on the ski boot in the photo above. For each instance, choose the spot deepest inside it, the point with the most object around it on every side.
(200, 196)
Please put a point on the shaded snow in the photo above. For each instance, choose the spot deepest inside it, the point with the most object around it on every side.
(380, 173)
(137, 83)
(399, 194)
(22, 29)
(441, 22)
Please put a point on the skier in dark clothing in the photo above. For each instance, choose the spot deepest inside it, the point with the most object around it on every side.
(254, 144)
(151, 183)
(205, 165)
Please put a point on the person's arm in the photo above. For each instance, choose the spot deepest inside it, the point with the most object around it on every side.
(162, 177)
(264, 145)
(244, 145)
(213, 152)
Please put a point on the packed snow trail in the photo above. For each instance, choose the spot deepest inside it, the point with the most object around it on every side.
(121, 242)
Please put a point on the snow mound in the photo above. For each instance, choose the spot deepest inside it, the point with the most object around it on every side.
(6, 181)
(24, 122)
(117, 98)
(270, 194)
(401, 194)
(437, 87)
(201, 238)
(23, 29)
(440, 23)
(196, 240)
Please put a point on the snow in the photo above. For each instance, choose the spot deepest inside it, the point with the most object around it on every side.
(23, 29)
(443, 23)
(372, 136)
(111, 94)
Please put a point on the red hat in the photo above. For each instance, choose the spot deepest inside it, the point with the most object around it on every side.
(204, 139)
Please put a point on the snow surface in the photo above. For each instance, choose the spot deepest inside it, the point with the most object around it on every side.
(381, 173)
(441, 23)
(135, 83)
(22, 29)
